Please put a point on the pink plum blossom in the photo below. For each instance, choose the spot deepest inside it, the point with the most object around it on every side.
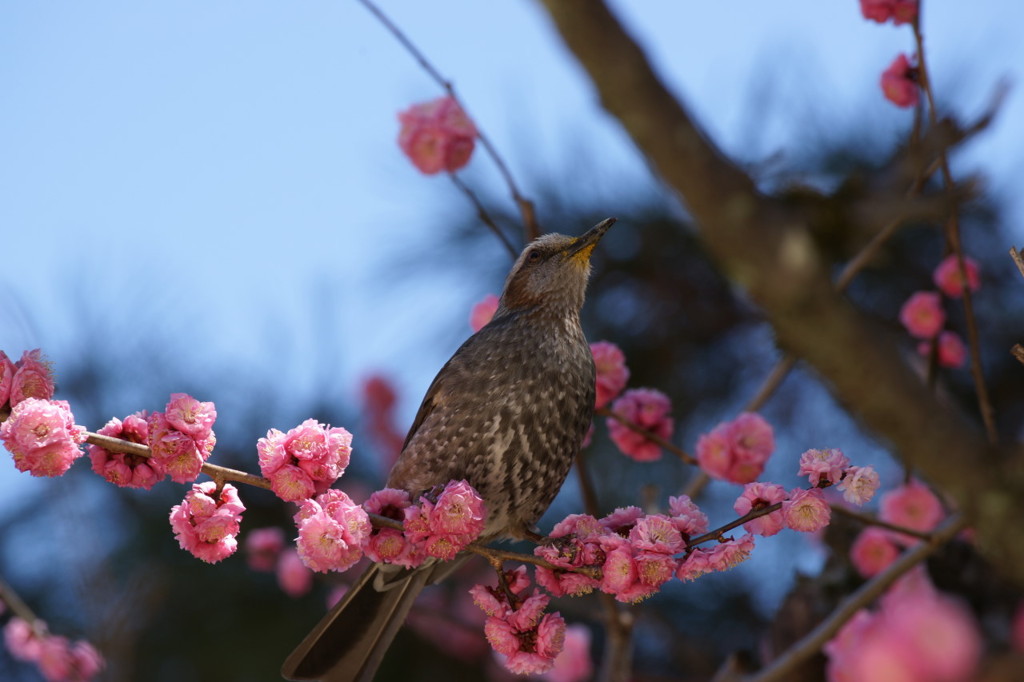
(656, 533)
(952, 352)
(389, 544)
(759, 496)
(948, 279)
(206, 522)
(577, 544)
(873, 551)
(574, 664)
(7, 371)
(332, 530)
(721, 557)
(917, 634)
(292, 575)
(612, 372)
(922, 314)
(912, 506)
(806, 510)
(181, 438)
(737, 450)
(622, 520)
(483, 312)
(686, 516)
(263, 547)
(437, 135)
(122, 469)
(304, 461)
(525, 636)
(823, 467)
(647, 408)
(42, 436)
(899, 82)
(21, 639)
(442, 528)
(881, 11)
(33, 378)
(859, 484)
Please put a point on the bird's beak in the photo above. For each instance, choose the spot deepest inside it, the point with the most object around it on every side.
(581, 249)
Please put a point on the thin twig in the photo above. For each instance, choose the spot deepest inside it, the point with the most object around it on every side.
(953, 241)
(717, 533)
(783, 667)
(869, 520)
(481, 212)
(649, 435)
(1018, 259)
(217, 473)
(531, 229)
(19, 608)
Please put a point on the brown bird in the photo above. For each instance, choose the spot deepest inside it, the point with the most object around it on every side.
(508, 413)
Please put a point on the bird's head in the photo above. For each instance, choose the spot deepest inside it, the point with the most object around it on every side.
(552, 271)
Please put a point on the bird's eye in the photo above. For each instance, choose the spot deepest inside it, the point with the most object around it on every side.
(534, 256)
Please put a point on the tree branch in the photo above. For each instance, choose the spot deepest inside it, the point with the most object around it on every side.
(766, 247)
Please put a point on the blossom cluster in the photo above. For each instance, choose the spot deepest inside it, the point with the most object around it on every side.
(517, 627)
(29, 377)
(207, 521)
(916, 633)
(306, 460)
(58, 659)
(181, 437)
(42, 436)
(736, 450)
(924, 318)
(612, 372)
(913, 506)
(648, 409)
(122, 469)
(332, 530)
(442, 527)
(899, 81)
(437, 135)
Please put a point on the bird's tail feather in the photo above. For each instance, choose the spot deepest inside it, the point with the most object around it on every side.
(348, 644)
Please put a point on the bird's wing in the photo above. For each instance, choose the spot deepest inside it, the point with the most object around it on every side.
(458, 366)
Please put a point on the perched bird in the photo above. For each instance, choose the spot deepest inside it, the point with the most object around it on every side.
(508, 413)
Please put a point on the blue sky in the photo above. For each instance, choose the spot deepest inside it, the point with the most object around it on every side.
(212, 167)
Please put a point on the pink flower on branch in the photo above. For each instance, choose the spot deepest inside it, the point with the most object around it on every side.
(952, 352)
(859, 484)
(648, 409)
(881, 11)
(922, 314)
(736, 451)
(823, 467)
(207, 522)
(612, 373)
(912, 506)
(873, 551)
(33, 378)
(7, 371)
(332, 530)
(304, 461)
(483, 312)
(525, 636)
(42, 436)
(806, 510)
(437, 135)
(121, 469)
(687, 517)
(948, 279)
(181, 438)
(899, 82)
(758, 496)
(443, 527)
(389, 544)
(723, 556)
